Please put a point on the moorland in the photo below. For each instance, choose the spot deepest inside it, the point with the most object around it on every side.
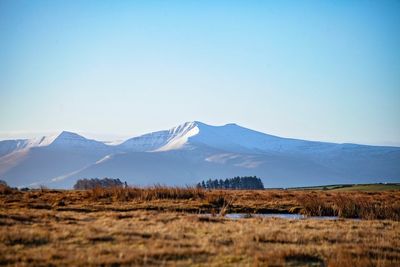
(166, 226)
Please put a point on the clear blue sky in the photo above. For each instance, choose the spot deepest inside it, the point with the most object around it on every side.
(321, 70)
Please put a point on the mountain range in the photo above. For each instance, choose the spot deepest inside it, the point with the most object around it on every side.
(191, 152)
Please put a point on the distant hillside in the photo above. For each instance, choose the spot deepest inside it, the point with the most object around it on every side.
(353, 187)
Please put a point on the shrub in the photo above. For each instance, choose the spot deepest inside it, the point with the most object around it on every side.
(313, 206)
(4, 188)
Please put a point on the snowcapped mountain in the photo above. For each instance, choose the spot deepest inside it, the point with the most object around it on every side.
(191, 152)
(73, 140)
(229, 137)
(35, 161)
(175, 138)
(63, 139)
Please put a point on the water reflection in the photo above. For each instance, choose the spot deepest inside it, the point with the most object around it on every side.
(278, 215)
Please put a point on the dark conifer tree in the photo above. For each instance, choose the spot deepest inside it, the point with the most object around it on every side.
(246, 182)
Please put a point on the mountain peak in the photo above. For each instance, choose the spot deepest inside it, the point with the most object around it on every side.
(67, 138)
(68, 135)
(182, 136)
(190, 125)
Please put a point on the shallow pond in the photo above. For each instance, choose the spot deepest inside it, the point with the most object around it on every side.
(277, 215)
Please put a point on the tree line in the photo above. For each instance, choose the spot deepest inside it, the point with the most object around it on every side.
(84, 184)
(245, 182)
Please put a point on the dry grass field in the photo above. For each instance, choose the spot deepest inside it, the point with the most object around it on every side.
(165, 227)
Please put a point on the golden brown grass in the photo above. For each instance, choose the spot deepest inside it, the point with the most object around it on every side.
(146, 194)
(351, 206)
(44, 237)
(357, 204)
(161, 226)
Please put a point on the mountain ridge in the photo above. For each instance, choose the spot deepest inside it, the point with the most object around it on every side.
(48, 139)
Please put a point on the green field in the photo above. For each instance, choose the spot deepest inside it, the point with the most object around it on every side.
(370, 187)
(352, 187)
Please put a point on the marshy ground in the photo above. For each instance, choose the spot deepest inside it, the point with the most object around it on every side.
(168, 227)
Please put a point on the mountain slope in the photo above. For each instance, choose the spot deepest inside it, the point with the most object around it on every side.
(175, 138)
(43, 159)
(178, 167)
(10, 146)
(229, 137)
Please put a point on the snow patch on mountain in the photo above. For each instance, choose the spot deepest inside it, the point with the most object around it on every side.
(222, 158)
(43, 141)
(171, 139)
(179, 136)
(108, 157)
(10, 146)
(240, 160)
